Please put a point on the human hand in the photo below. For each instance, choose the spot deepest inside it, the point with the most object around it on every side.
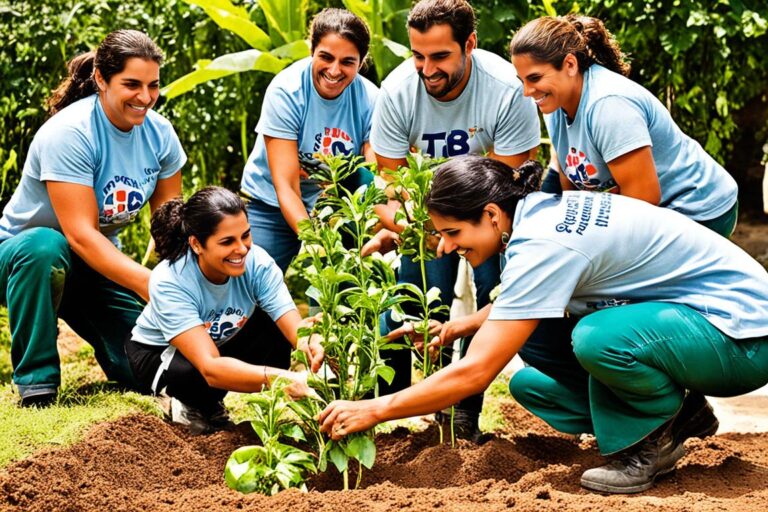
(417, 338)
(343, 417)
(298, 387)
(383, 242)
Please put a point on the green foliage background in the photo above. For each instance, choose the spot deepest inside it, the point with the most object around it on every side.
(705, 60)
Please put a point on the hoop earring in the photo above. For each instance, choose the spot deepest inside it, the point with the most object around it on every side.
(504, 239)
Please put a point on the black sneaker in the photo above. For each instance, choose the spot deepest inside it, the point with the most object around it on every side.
(695, 419)
(196, 421)
(42, 397)
(637, 468)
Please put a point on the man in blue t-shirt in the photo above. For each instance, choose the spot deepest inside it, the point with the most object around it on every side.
(450, 99)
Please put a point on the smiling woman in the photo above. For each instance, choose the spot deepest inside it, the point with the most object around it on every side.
(90, 169)
(317, 106)
(608, 132)
(220, 317)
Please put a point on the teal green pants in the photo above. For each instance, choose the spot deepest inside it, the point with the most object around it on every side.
(628, 368)
(40, 280)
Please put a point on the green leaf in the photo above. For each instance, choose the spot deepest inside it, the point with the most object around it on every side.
(229, 64)
(286, 17)
(292, 51)
(338, 457)
(236, 20)
(385, 372)
(362, 448)
(549, 8)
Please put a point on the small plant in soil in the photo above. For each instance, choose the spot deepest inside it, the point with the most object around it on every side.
(418, 241)
(273, 466)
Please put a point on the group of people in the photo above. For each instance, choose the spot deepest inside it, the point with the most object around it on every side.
(619, 288)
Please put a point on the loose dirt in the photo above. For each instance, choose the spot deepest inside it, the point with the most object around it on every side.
(140, 463)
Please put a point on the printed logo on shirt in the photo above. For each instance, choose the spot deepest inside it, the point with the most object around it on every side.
(123, 198)
(448, 144)
(583, 174)
(331, 141)
(579, 212)
(224, 323)
(608, 303)
(334, 141)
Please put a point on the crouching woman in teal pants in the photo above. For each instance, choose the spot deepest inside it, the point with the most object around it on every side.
(89, 171)
(665, 305)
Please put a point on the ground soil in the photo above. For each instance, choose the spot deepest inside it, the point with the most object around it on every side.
(141, 463)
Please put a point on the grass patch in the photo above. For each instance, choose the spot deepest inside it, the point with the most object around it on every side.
(85, 398)
(492, 419)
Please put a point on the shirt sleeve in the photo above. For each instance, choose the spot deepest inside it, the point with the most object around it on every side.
(280, 114)
(66, 155)
(271, 293)
(616, 127)
(175, 308)
(173, 157)
(518, 129)
(538, 281)
(389, 134)
(372, 94)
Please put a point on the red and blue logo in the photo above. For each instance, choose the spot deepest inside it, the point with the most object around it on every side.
(122, 204)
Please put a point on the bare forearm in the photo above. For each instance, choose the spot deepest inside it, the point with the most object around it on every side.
(386, 213)
(442, 389)
(292, 207)
(235, 375)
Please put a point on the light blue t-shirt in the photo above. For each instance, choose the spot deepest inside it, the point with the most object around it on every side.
(80, 145)
(491, 113)
(583, 251)
(181, 297)
(616, 116)
(293, 110)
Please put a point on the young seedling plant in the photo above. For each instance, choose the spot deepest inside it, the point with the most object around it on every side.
(410, 187)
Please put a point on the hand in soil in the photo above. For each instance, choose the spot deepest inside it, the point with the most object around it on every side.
(344, 417)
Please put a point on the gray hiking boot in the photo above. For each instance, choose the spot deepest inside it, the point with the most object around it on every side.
(196, 421)
(639, 466)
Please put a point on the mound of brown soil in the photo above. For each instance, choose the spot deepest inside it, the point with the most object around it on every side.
(141, 463)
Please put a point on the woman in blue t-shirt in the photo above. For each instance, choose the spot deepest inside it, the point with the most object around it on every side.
(220, 317)
(608, 132)
(318, 106)
(665, 306)
(90, 168)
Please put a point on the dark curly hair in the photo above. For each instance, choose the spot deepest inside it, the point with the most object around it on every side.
(550, 39)
(463, 186)
(175, 221)
(109, 58)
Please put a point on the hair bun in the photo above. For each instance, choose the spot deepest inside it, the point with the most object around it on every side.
(528, 175)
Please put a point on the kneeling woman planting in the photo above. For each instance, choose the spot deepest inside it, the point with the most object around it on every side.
(665, 306)
(220, 317)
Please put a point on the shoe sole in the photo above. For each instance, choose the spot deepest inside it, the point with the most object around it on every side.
(612, 489)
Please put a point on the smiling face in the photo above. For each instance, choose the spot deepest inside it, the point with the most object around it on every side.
(549, 87)
(442, 65)
(129, 95)
(335, 63)
(475, 241)
(223, 254)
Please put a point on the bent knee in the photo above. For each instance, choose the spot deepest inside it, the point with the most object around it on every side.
(44, 248)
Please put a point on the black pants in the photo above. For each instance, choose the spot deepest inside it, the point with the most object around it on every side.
(259, 342)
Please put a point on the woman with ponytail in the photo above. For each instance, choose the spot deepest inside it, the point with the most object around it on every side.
(649, 328)
(220, 318)
(91, 167)
(608, 132)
